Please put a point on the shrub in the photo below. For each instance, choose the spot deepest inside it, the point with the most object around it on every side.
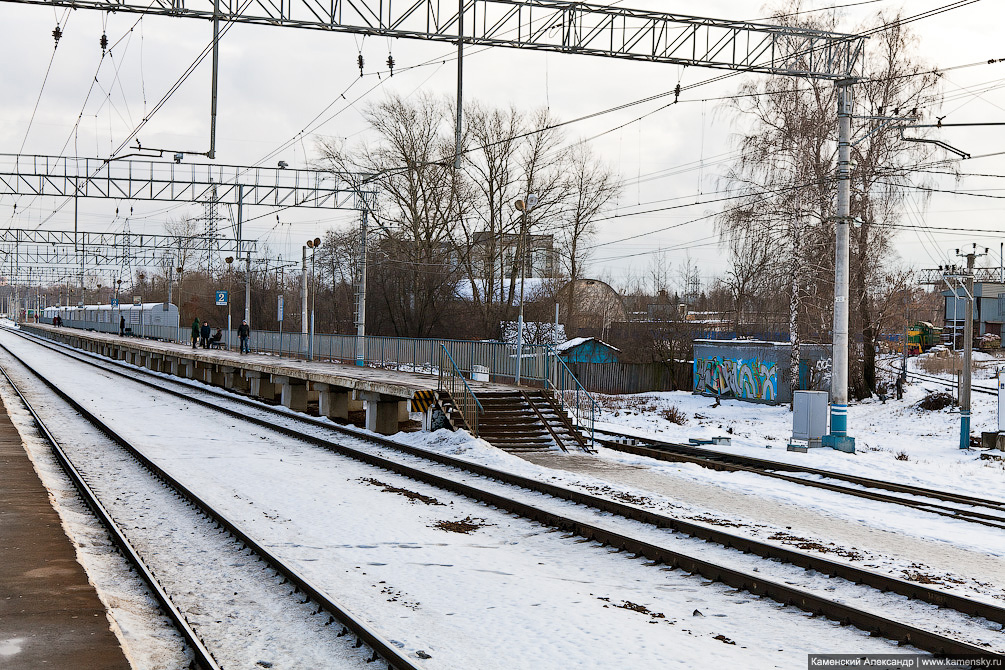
(936, 400)
(935, 365)
(674, 415)
(902, 456)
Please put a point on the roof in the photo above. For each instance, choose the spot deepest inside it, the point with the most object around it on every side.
(576, 341)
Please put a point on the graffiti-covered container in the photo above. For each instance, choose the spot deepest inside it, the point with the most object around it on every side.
(757, 370)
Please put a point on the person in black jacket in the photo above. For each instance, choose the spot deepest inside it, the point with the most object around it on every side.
(244, 332)
(122, 326)
(204, 335)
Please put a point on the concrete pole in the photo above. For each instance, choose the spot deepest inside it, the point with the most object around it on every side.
(460, 83)
(361, 290)
(968, 348)
(303, 306)
(838, 438)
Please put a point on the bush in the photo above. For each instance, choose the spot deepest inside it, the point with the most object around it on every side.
(936, 400)
(674, 415)
(935, 365)
(902, 456)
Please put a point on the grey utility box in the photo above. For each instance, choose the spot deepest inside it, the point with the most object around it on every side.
(809, 416)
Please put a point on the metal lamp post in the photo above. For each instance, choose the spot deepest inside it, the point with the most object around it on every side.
(313, 246)
(230, 290)
(142, 278)
(523, 206)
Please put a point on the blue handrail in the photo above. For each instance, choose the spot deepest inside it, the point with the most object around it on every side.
(558, 383)
(467, 404)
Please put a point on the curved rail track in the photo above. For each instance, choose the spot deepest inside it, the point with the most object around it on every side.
(921, 376)
(351, 624)
(295, 424)
(991, 512)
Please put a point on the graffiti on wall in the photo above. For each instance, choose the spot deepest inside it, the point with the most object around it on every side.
(745, 379)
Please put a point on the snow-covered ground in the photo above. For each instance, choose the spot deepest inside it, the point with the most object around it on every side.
(511, 594)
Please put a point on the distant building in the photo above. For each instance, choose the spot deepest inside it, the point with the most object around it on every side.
(540, 253)
(989, 310)
(587, 350)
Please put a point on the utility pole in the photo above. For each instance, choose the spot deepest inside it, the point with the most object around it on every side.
(967, 281)
(838, 437)
(361, 285)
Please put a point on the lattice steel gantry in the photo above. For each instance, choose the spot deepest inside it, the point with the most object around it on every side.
(546, 25)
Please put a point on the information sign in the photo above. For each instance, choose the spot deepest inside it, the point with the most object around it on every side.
(221, 297)
(280, 308)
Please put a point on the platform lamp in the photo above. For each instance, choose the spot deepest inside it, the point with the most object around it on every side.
(313, 246)
(524, 207)
(230, 289)
(142, 278)
(179, 270)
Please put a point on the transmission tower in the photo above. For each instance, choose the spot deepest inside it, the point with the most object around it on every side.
(211, 219)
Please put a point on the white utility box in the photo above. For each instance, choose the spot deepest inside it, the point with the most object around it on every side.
(809, 416)
(1001, 402)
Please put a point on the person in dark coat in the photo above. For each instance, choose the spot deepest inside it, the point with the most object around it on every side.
(244, 332)
(122, 325)
(195, 332)
(204, 333)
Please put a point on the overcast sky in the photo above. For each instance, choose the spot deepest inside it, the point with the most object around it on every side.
(274, 81)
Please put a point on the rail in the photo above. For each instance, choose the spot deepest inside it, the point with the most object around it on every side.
(570, 394)
(461, 395)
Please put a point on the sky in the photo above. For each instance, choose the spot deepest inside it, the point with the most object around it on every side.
(274, 83)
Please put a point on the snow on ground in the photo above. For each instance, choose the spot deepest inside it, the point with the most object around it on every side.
(505, 594)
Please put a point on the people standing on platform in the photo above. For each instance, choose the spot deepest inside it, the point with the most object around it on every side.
(122, 325)
(204, 333)
(244, 332)
(195, 331)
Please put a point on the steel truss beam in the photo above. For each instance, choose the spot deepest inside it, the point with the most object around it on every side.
(173, 182)
(547, 25)
(935, 277)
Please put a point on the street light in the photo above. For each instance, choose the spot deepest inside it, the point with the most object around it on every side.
(313, 246)
(230, 289)
(523, 206)
(142, 278)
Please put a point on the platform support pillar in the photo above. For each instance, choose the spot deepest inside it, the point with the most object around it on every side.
(294, 392)
(261, 385)
(381, 412)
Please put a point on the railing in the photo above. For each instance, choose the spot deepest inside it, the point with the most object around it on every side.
(571, 395)
(463, 398)
(469, 359)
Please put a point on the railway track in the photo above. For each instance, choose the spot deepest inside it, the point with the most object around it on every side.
(921, 376)
(513, 497)
(966, 508)
(303, 591)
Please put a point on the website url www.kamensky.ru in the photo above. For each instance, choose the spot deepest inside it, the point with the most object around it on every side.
(903, 661)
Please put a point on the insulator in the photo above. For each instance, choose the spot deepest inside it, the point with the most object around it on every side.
(390, 63)
(57, 33)
(359, 61)
(103, 42)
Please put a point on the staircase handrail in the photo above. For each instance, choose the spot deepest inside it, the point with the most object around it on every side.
(559, 390)
(467, 404)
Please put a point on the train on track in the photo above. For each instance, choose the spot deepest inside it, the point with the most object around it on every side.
(922, 336)
(149, 319)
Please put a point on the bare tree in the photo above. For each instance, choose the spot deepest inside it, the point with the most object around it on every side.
(412, 163)
(784, 175)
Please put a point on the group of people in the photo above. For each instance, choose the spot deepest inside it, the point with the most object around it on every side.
(57, 321)
(201, 334)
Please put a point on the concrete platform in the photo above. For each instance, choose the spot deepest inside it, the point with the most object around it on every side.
(337, 387)
(50, 615)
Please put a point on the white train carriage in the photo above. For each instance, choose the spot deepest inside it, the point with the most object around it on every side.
(150, 319)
